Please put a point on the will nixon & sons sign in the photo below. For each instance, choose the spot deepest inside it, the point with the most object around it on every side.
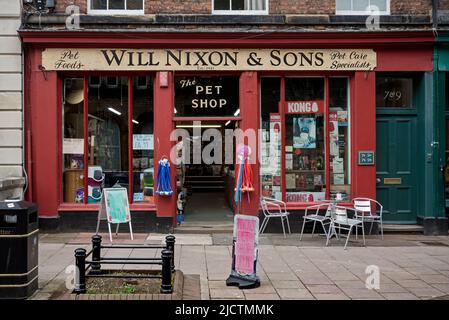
(208, 59)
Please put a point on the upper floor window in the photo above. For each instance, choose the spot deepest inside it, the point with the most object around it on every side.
(362, 7)
(116, 6)
(240, 6)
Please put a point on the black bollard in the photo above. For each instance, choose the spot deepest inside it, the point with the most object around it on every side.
(166, 286)
(80, 276)
(170, 245)
(96, 254)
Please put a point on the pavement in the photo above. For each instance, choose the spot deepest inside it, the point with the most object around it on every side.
(411, 267)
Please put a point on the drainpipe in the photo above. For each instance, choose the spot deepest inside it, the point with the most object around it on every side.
(435, 14)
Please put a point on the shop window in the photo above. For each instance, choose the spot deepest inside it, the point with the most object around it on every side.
(207, 96)
(271, 139)
(305, 162)
(116, 6)
(108, 136)
(339, 137)
(316, 166)
(106, 150)
(73, 140)
(362, 7)
(394, 92)
(240, 6)
(143, 140)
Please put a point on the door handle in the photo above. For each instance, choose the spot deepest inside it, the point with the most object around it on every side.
(378, 180)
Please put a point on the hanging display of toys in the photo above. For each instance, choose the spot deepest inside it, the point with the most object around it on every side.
(243, 177)
(164, 187)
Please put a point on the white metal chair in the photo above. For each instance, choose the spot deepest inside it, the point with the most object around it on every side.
(369, 210)
(273, 208)
(315, 217)
(341, 221)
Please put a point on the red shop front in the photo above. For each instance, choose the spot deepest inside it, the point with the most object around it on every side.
(104, 107)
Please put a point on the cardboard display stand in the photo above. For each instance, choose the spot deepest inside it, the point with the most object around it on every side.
(115, 209)
(244, 252)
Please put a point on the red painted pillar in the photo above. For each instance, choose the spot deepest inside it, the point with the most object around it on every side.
(163, 126)
(43, 118)
(363, 135)
(250, 113)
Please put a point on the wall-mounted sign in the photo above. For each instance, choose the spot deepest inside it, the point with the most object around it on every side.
(304, 107)
(366, 158)
(143, 142)
(206, 96)
(208, 59)
(73, 146)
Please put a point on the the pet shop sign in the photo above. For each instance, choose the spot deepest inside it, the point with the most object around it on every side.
(304, 107)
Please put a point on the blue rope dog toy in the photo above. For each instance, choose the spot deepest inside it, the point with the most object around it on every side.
(164, 179)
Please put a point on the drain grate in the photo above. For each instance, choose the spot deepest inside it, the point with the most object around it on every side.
(434, 243)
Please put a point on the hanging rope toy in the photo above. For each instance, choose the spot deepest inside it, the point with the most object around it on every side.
(164, 178)
(243, 178)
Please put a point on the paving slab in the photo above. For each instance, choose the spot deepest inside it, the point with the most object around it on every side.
(261, 296)
(400, 296)
(294, 294)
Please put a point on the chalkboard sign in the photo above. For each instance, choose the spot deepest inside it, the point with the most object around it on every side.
(114, 208)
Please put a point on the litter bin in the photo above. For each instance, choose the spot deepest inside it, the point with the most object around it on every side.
(18, 249)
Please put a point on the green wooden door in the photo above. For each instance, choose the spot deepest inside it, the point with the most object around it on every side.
(396, 167)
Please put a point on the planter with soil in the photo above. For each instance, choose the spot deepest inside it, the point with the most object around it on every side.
(116, 285)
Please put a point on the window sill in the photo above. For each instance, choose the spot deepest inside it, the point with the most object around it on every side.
(117, 12)
(78, 207)
(304, 205)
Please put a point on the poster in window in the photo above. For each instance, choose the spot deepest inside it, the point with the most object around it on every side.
(333, 134)
(304, 133)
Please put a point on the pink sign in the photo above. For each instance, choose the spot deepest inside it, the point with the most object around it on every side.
(246, 229)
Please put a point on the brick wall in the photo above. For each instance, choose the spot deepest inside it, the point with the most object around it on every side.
(178, 6)
(276, 6)
(61, 5)
(302, 7)
(411, 7)
(443, 5)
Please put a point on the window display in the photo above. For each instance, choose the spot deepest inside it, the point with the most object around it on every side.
(108, 133)
(304, 140)
(109, 155)
(143, 140)
(73, 140)
(271, 139)
(309, 154)
(339, 148)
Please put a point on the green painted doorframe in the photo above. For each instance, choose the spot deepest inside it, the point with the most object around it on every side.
(435, 220)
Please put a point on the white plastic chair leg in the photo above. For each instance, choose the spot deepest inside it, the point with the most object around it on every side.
(266, 224)
(381, 228)
(347, 239)
(262, 226)
(313, 230)
(302, 228)
(288, 225)
(283, 228)
(363, 234)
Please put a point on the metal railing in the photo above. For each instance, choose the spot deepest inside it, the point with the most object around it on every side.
(166, 261)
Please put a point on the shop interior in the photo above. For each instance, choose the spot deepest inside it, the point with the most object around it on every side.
(206, 172)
